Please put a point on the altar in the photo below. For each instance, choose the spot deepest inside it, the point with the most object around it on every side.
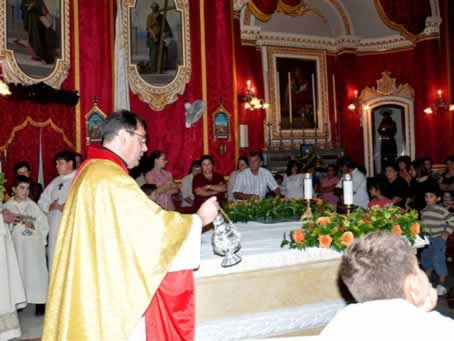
(272, 292)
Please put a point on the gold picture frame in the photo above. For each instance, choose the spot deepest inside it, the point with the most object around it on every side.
(321, 87)
(158, 95)
(15, 55)
(221, 123)
(93, 120)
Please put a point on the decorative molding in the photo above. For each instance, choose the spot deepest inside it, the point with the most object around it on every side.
(343, 14)
(386, 86)
(239, 4)
(432, 26)
(159, 96)
(13, 73)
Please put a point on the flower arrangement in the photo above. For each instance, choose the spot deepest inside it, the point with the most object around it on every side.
(274, 209)
(338, 231)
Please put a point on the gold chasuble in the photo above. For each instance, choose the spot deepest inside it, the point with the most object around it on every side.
(113, 249)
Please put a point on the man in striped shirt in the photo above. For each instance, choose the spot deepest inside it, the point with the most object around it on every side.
(254, 182)
(439, 223)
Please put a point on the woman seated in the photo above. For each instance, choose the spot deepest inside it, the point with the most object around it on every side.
(207, 184)
(186, 184)
(404, 163)
(242, 164)
(162, 179)
(420, 183)
(293, 184)
(328, 184)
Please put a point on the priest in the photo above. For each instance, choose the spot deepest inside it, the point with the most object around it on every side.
(123, 266)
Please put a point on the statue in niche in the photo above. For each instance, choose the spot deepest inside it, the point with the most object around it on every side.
(387, 131)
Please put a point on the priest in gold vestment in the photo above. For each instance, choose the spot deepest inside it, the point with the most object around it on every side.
(115, 249)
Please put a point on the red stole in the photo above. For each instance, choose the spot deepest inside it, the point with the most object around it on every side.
(171, 313)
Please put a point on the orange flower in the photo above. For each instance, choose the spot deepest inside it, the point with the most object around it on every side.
(347, 238)
(319, 201)
(298, 236)
(323, 220)
(325, 241)
(415, 229)
(396, 229)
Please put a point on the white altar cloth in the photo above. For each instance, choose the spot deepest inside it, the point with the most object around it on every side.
(260, 249)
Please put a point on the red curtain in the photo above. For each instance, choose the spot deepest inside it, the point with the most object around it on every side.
(407, 16)
(249, 67)
(96, 46)
(219, 68)
(166, 128)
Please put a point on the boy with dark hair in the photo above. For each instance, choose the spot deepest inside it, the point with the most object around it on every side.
(439, 223)
(394, 296)
(24, 168)
(29, 234)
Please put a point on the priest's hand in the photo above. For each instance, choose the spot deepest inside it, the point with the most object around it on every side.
(9, 217)
(208, 211)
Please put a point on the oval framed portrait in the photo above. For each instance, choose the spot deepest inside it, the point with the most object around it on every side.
(156, 34)
(35, 41)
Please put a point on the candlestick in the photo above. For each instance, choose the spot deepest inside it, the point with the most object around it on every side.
(348, 191)
(308, 186)
(314, 100)
(290, 109)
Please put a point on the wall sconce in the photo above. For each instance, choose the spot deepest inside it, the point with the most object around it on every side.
(251, 102)
(4, 89)
(438, 104)
(354, 103)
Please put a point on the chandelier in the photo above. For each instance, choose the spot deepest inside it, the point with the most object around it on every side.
(251, 102)
(439, 103)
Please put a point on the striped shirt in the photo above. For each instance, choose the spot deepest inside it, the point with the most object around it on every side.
(438, 220)
(248, 183)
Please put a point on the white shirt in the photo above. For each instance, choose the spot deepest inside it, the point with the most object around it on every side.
(186, 189)
(293, 186)
(248, 183)
(394, 319)
(231, 184)
(359, 182)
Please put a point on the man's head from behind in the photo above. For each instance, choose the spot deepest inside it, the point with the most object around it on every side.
(381, 266)
(124, 133)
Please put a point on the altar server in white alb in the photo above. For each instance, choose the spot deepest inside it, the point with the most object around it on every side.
(29, 232)
(255, 181)
(52, 200)
(12, 294)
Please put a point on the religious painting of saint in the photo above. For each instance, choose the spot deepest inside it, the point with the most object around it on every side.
(156, 40)
(94, 122)
(388, 132)
(296, 80)
(34, 34)
(221, 125)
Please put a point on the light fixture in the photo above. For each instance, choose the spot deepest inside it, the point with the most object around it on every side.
(438, 104)
(251, 102)
(354, 103)
(4, 89)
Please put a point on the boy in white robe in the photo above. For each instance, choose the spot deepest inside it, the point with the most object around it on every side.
(29, 234)
(52, 200)
(12, 294)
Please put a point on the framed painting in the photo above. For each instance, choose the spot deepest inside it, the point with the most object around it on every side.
(35, 41)
(94, 120)
(298, 89)
(158, 40)
(221, 123)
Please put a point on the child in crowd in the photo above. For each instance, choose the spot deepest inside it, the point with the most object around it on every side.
(439, 223)
(448, 201)
(394, 296)
(151, 191)
(375, 188)
(29, 234)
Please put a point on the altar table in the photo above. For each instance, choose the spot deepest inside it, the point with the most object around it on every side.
(273, 292)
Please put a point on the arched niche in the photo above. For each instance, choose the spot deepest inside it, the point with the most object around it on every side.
(390, 108)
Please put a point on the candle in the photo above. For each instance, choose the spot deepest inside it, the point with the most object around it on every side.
(290, 111)
(348, 189)
(314, 101)
(307, 186)
(334, 99)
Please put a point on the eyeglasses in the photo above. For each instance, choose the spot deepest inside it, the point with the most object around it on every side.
(143, 138)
